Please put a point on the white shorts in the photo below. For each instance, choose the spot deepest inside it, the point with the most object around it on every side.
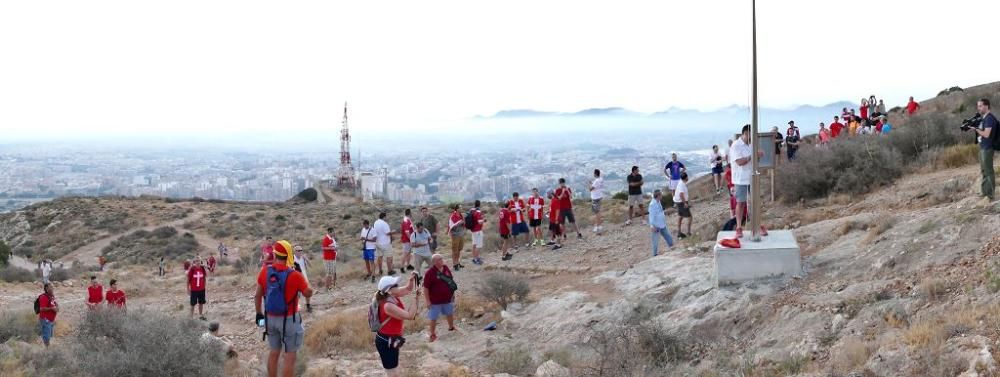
(477, 239)
(407, 247)
(383, 250)
(673, 184)
(331, 267)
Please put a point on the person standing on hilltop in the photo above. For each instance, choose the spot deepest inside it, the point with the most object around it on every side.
(912, 106)
(985, 133)
(47, 310)
(536, 207)
(864, 108)
(390, 313)
(456, 229)
(886, 127)
(596, 195)
(503, 230)
(405, 231)
(778, 140)
(824, 134)
(277, 303)
(518, 226)
(368, 239)
(673, 170)
(880, 109)
(565, 196)
(383, 244)
(431, 223)
(47, 271)
(95, 293)
(682, 200)
(196, 279)
(658, 223)
(439, 289)
(267, 252)
(852, 127)
(301, 264)
(792, 139)
(742, 171)
(163, 266)
(421, 247)
(329, 247)
(836, 127)
(634, 181)
(555, 228)
(211, 263)
(115, 297)
(715, 161)
(477, 233)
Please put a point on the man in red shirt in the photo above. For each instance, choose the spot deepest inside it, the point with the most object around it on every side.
(518, 225)
(912, 106)
(565, 197)
(503, 227)
(95, 293)
(555, 228)
(283, 330)
(211, 263)
(406, 230)
(267, 252)
(196, 277)
(439, 293)
(115, 297)
(477, 233)
(536, 205)
(330, 258)
(836, 127)
(456, 229)
(47, 309)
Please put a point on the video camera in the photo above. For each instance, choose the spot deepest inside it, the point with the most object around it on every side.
(971, 122)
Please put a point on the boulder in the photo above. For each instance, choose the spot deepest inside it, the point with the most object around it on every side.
(551, 369)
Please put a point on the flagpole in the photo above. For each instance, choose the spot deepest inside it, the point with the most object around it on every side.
(755, 159)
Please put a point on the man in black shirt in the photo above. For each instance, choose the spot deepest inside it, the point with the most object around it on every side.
(634, 193)
(985, 132)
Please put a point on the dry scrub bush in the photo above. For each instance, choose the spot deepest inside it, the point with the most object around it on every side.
(957, 156)
(14, 274)
(638, 345)
(850, 355)
(346, 330)
(882, 224)
(514, 360)
(849, 166)
(22, 325)
(933, 288)
(503, 288)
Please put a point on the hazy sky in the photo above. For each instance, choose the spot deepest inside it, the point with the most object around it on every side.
(126, 67)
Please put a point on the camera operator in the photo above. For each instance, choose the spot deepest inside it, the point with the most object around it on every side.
(985, 130)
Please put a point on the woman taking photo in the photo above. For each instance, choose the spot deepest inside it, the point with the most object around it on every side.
(391, 314)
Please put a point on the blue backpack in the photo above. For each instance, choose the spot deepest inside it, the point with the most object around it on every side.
(274, 297)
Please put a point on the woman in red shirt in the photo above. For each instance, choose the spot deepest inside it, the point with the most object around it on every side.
(115, 298)
(391, 314)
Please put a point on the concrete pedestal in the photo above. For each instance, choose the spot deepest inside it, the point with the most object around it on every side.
(776, 255)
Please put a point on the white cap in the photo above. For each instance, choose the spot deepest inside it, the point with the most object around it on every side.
(387, 282)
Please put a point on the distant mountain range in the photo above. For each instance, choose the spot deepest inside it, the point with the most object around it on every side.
(808, 111)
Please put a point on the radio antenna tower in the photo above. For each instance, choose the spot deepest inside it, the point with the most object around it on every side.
(345, 177)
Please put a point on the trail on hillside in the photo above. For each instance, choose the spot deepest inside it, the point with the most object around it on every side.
(87, 254)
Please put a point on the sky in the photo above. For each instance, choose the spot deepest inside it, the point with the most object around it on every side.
(232, 68)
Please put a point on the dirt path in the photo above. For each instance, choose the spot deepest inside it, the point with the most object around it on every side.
(88, 253)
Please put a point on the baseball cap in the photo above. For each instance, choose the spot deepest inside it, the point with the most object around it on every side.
(387, 282)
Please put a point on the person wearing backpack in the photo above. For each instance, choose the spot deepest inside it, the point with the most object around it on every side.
(386, 316)
(279, 286)
(439, 289)
(989, 142)
(46, 308)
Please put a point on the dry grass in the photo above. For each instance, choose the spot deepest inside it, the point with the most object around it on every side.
(849, 226)
(933, 288)
(852, 354)
(926, 334)
(346, 330)
(896, 319)
(957, 156)
(882, 224)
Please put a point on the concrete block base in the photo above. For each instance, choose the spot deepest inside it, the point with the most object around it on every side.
(776, 255)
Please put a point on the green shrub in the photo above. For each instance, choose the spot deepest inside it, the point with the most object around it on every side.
(514, 360)
(850, 166)
(16, 274)
(309, 195)
(621, 195)
(4, 253)
(22, 325)
(503, 288)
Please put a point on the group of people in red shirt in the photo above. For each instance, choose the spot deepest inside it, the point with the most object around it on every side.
(96, 296)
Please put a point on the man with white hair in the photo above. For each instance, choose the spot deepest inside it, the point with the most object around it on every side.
(439, 289)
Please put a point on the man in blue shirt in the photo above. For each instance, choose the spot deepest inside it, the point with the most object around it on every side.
(886, 127)
(985, 132)
(673, 171)
(658, 223)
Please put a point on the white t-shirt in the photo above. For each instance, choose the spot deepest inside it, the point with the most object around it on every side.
(741, 174)
(46, 269)
(681, 187)
(598, 191)
(382, 232)
(368, 233)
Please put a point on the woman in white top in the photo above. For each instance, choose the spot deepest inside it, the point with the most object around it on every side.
(302, 266)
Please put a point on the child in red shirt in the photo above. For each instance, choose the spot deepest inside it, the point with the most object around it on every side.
(95, 293)
(114, 297)
(503, 227)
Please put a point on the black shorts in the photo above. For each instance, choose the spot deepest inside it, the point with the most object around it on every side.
(535, 223)
(567, 216)
(386, 351)
(717, 170)
(683, 210)
(505, 236)
(554, 227)
(197, 297)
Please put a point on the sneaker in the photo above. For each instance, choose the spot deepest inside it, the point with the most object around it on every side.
(455, 267)
(550, 243)
(527, 245)
(507, 257)
(579, 236)
(461, 265)
(202, 318)
(309, 308)
(369, 276)
(556, 247)
(409, 267)
(373, 280)
(402, 270)
(392, 272)
(681, 235)
(763, 231)
(739, 232)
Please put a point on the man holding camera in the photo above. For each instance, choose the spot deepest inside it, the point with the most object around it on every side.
(985, 132)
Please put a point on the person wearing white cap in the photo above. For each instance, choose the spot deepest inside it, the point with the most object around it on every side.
(391, 314)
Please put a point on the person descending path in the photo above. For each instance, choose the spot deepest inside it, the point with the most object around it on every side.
(115, 297)
(683, 204)
(658, 223)
(503, 229)
(536, 207)
(276, 301)
(95, 293)
(634, 181)
(555, 228)
(46, 268)
(196, 278)
(368, 240)
(456, 228)
(47, 308)
(211, 263)
(405, 230)
(301, 265)
(439, 289)
(383, 244)
(565, 196)
(267, 252)
(792, 138)
(518, 226)
(673, 170)
(388, 313)
(478, 221)
(329, 246)
(163, 266)
(596, 195)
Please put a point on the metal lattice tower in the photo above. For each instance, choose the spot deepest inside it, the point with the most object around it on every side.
(345, 177)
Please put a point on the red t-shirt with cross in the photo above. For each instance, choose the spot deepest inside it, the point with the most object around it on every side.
(516, 209)
(535, 207)
(329, 248)
(196, 278)
(406, 227)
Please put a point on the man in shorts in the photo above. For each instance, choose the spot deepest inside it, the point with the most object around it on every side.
(383, 244)
(196, 276)
(421, 242)
(368, 239)
(439, 294)
(405, 230)
(536, 207)
(673, 171)
(329, 245)
(683, 204)
(564, 195)
(456, 229)
(634, 181)
(503, 229)
(477, 233)
(596, 195)
(742, 171)
(431, 223)
(284, 331)
(555, 228)
(518, 225)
